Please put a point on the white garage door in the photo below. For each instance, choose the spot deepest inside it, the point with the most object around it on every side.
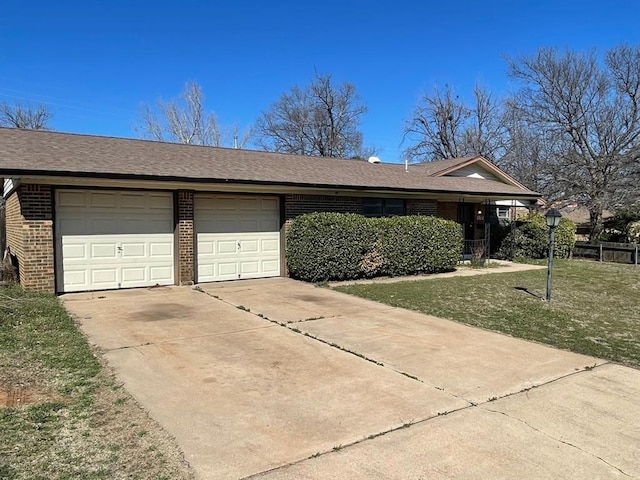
(237, 237)
(112, 239)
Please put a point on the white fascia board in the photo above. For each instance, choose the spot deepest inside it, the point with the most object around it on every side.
(511, 203)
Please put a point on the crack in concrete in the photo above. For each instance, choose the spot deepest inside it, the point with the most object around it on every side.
(343, 446)
(470, 404)
(559, 440)
(445, 413)
(312, 319)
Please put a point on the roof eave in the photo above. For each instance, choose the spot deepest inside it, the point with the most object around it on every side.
(221, 181)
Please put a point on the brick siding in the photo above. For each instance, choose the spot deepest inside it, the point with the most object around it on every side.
(296, 205)
(30, 235)
(186, 239)
(417, 206)
(448, 210)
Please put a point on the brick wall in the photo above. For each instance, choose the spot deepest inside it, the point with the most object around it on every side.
(185, 238)
(30, 235)
(416, 206)
(448, 210)
(295, 205)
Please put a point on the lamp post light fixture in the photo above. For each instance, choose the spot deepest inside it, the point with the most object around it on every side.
(552, 217)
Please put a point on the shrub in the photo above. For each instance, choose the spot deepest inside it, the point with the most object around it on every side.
(334, 246)
(530, 239)
(415, 244)
(329, 246)
(633, 232)
(497, 234)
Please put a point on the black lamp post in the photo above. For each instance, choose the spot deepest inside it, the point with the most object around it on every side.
(553, 217)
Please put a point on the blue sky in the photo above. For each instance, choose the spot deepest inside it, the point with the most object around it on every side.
(94, 63)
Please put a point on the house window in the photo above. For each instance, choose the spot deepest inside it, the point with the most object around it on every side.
(503, 212)
(383, 207)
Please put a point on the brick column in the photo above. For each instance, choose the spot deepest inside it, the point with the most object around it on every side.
(30, 235)
(185, 239)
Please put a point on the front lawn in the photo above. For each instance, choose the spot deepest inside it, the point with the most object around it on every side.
(595, 309)
(62, 416)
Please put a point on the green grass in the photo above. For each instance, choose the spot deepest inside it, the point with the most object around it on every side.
(66, 417)
(595, 307)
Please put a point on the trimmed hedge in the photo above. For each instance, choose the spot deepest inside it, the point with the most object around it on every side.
(416, 244)
(530, 239)
(336, 246)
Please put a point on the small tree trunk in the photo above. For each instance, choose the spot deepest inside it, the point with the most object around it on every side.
(595, 222)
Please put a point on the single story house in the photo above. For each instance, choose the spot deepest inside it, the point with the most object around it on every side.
(91, 213)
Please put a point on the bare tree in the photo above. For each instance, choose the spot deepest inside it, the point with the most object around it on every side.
(183, 120)
(527, 153)
(593, 114)
(445, 126)
(25, 116)
(320, 119)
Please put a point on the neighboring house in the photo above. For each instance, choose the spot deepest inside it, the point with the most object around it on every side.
(579, 215)
(91, 213)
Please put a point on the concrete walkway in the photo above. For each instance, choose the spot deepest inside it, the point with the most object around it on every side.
(463, 270)
(275, 379)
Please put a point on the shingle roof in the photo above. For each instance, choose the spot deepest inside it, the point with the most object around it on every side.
(34, 153)
(437, 166)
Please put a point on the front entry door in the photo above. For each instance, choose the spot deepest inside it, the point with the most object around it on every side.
(466, 217)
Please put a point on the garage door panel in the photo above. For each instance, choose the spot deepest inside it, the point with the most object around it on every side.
(161, 274)
(75, 252)
(248, 203)
(71, 198)
(76, 278)
(223, 203)
(104, 277)
(227, 270)
(223, 225)
(161, 249)
(206, 270)
(102, 200)
(249, 267)
(133, 250)
(271, 266)
(249, 247)
(226, 247)
(270, 245)
(102, 251)
(270, 205)
(248, 225)
(237, 237)
(206, 247)
(270, 225)
(133, 274)
(114, 239)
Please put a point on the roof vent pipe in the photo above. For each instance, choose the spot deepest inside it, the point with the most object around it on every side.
(374, 160)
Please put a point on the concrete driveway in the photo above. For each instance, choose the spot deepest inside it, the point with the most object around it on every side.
(278, 379)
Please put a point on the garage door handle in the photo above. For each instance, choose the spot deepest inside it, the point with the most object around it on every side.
(238, 245)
